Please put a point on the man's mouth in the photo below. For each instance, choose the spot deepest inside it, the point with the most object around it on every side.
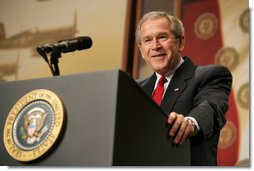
(158, 55)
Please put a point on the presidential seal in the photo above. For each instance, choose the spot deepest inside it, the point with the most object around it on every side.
(206, 26)
(33, 125)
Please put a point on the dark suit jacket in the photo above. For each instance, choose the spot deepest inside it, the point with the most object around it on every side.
(201, 92)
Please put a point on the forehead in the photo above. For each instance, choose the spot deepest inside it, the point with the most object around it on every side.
(155, 25)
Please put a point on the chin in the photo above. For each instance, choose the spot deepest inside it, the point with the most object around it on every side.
(158, 68)
(160, 71)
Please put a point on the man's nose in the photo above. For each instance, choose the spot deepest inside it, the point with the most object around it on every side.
(156, 44)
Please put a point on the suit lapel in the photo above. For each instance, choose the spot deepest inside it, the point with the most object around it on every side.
(148, 85)
(177, 85)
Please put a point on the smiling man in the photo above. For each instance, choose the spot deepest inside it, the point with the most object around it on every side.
(194, 97)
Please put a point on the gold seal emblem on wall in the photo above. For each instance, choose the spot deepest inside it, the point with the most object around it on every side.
(243, 96)
(33, 125)
(228, 135)
(227, 57)
(244, 21)
(206, 26)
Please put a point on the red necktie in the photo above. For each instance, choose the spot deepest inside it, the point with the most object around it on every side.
(158, 92)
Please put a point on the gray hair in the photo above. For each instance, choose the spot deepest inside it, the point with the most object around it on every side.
(176, 26)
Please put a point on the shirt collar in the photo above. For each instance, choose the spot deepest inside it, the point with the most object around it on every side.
(170, 73)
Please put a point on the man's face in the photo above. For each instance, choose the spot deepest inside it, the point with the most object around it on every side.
(159, 48)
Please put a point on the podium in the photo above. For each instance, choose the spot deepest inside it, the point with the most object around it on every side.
(110, 121)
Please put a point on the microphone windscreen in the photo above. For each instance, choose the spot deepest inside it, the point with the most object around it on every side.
(85, 42)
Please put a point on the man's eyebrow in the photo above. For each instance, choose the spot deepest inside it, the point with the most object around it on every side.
(157, 34)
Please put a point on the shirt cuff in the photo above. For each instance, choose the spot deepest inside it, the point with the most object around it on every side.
(194, 121)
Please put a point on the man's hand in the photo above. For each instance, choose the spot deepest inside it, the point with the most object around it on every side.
(181, 127)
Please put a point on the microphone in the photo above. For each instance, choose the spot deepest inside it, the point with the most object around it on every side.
(65, 46)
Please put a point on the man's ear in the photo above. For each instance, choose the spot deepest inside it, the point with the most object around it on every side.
(140, 50)
(181, 43)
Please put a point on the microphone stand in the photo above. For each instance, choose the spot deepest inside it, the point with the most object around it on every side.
(53, 63)
(55, 54)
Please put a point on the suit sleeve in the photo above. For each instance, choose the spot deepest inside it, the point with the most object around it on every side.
(211, 100)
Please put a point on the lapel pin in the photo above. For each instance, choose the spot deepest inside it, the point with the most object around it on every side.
(176, 89)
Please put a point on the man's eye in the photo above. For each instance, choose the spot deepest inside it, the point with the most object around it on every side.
(163, 37)
(147, 40)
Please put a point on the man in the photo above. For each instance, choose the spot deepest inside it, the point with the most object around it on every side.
(195, 97)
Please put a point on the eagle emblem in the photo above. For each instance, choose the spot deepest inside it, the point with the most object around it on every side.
(34, 125)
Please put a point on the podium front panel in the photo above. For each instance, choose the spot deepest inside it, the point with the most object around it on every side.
(110, 121)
